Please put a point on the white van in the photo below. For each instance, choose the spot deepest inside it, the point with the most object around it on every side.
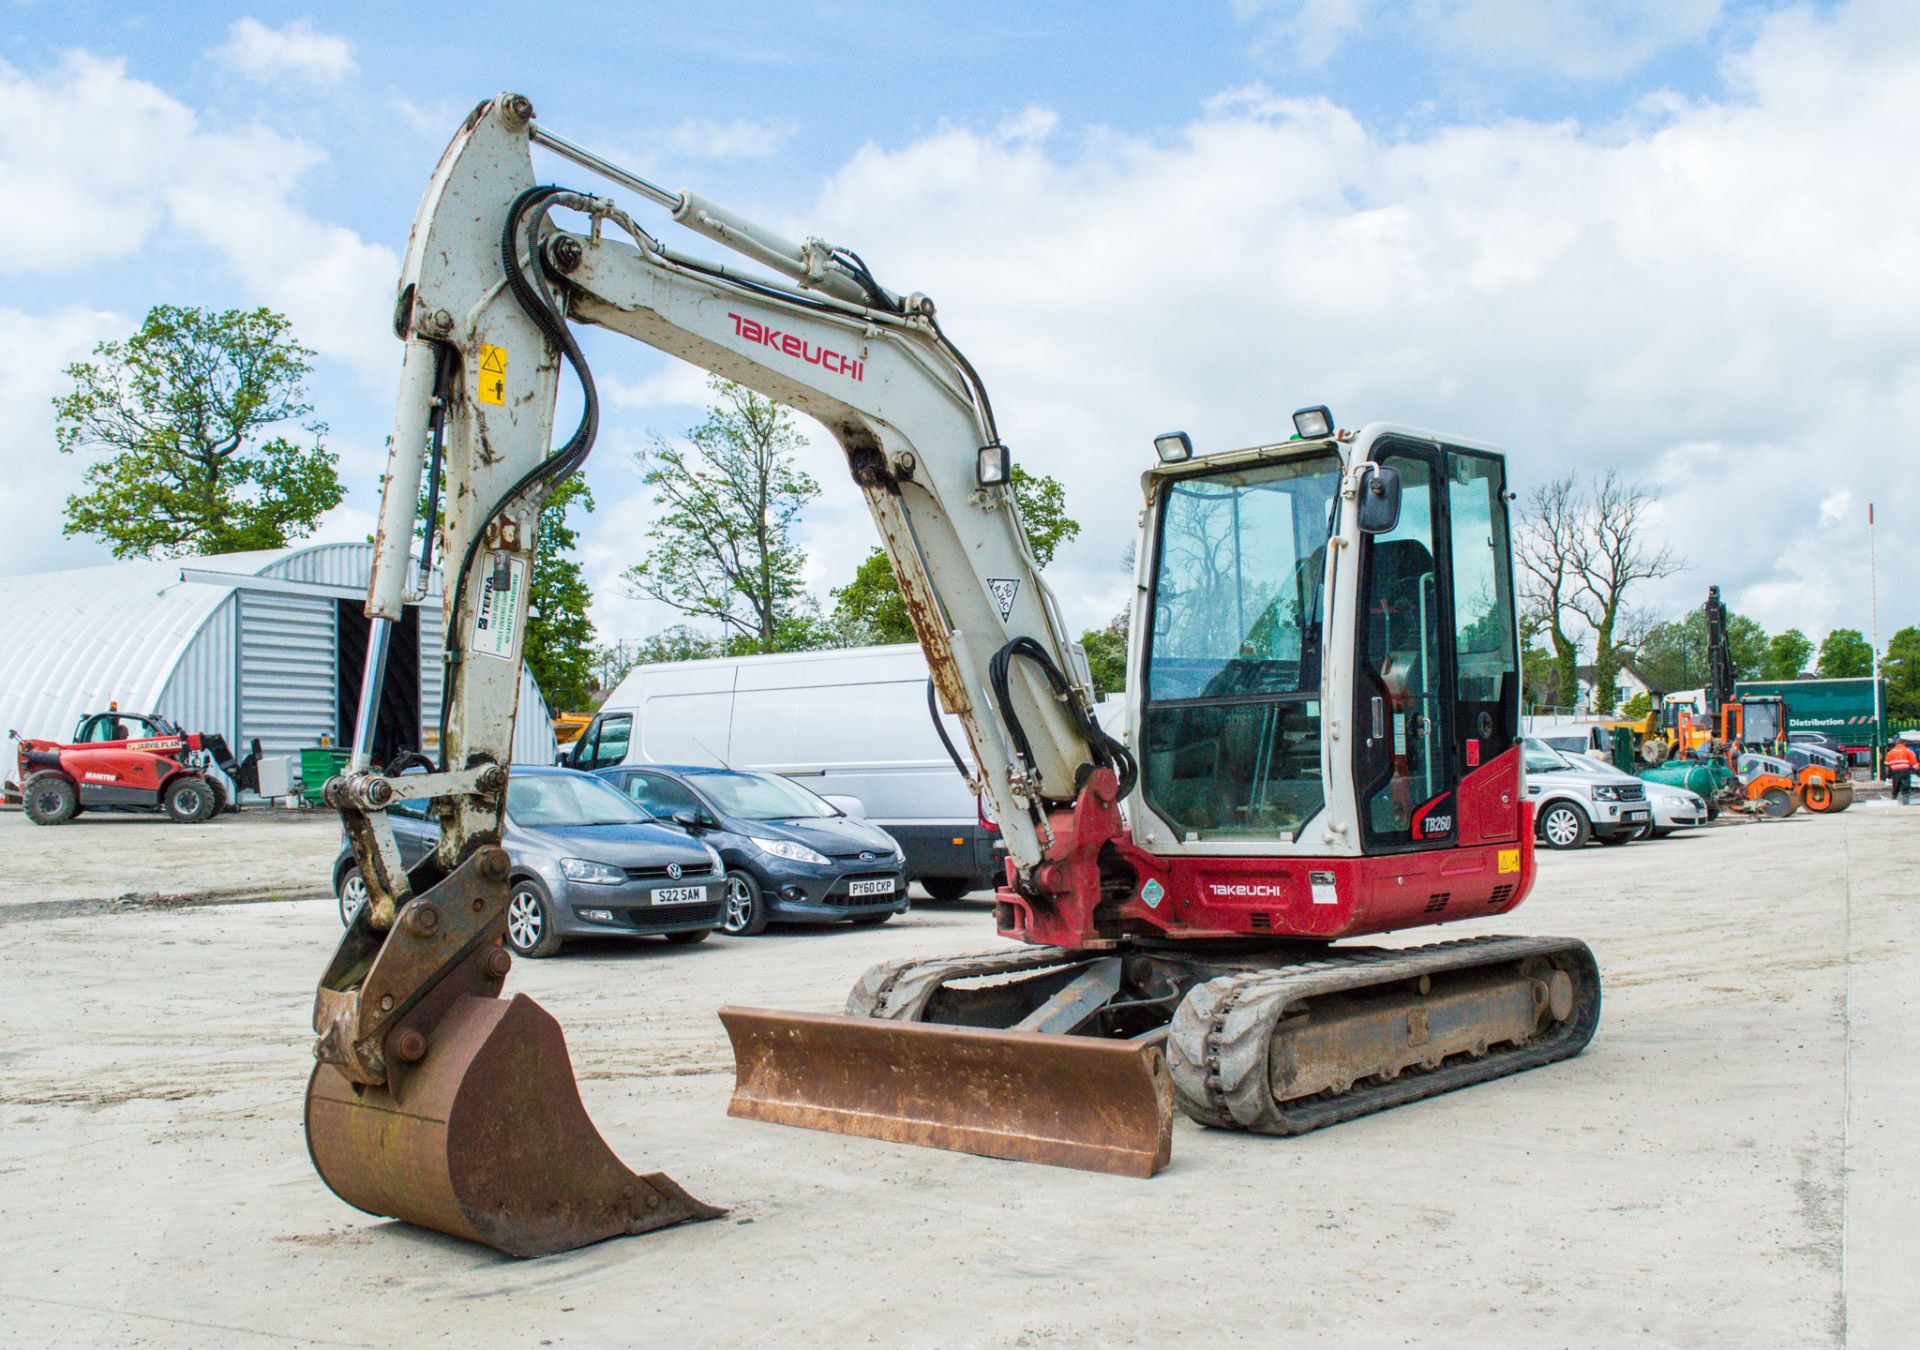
(851, 722)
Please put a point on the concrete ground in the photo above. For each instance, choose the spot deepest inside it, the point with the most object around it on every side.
(1729, 1164)
(111, 860)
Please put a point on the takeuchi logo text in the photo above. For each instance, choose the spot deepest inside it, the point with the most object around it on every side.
(752, 330)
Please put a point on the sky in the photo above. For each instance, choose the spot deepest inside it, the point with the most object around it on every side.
(1675, 238)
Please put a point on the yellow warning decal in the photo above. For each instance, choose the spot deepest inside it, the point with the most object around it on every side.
(1509, 860)
(493, 375)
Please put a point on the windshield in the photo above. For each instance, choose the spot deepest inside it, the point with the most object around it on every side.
(1542, 758)
(565, 799)
(1236, 603)
(761, 796)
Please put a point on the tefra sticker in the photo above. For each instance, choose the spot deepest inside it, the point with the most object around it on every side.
(494, 616)
(493, 375)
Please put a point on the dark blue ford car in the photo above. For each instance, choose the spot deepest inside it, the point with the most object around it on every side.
(789, 854)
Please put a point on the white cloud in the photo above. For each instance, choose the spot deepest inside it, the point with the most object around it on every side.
(109, 167)
(1584, 39)
(1307, 31)
(738, 139)
(34, 350)
(129, 162)
(297, 51)
(1719, 303)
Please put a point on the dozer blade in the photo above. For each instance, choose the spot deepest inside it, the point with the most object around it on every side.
(1069, 1101)
(485, 1138)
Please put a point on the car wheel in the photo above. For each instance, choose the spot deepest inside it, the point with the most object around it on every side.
(1564, 826)
(946, 890)
(746, 909)
(530, 930)
(352, 894)
(1660, 834)
(1623, 836)
(189, 800)
(1647, 831)
(870, 920)
(51, 800)
(687, 939)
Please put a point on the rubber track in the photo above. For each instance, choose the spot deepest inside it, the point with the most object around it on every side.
(899, 990)
(1218, 1043)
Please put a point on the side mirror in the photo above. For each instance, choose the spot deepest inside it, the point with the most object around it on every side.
(846, 806)
(1380, 500)
(686, 820)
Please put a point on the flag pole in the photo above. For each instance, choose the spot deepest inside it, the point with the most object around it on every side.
(1873, 602)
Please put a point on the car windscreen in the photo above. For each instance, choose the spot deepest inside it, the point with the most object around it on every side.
(1542, 758)
(569, 800)
(760, 796)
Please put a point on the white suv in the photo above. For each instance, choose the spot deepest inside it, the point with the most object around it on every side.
(1577, 799)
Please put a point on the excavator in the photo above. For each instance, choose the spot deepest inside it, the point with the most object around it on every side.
(1321, 743)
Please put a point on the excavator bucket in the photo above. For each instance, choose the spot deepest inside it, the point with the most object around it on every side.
(484, 1136)
(1069, 1101)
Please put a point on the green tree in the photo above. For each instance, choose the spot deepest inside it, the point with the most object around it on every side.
(1901, 669)
(1844, 653)
(559, 648)
(870, 608)
(1636, 708)
(678, 643)
(872, 602)
(1540, 677)
(1787, 655)
(723, 547)
(1673, 656)
(1107, 656)
(183, 409)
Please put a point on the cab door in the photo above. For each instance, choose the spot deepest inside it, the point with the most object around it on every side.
(1403, 764)
(1437, 673)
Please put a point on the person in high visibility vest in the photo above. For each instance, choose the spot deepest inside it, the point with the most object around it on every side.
(1901, 763)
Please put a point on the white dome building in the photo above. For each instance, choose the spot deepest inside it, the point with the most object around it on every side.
(262, 645)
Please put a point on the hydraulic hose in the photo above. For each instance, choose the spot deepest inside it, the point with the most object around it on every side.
(573, 453)
(1107, 751)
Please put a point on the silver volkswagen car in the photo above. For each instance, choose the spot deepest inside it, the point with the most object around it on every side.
(587, 862)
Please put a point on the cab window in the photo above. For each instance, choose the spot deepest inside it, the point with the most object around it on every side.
(1231, 727)
(605, 741)
(660, 795)
(114, 727)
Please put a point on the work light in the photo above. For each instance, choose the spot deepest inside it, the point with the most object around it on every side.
(1173, 447)
(995, 465)
(1313, 423)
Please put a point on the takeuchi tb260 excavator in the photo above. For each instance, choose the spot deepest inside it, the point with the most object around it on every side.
(1323, 721)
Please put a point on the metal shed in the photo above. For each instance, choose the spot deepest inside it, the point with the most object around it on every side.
(265, 645)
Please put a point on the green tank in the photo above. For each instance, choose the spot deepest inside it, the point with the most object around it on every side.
(1695, 775)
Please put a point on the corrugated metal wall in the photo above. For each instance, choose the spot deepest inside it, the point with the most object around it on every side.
(288, 652)
(432, 672)
(209, 653)
(344, 565)
(533, 739)
(203, 692)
